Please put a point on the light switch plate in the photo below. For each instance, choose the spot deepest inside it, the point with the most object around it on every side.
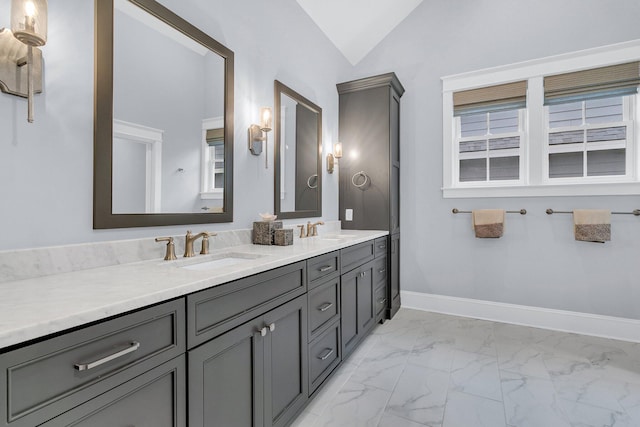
(348, 215)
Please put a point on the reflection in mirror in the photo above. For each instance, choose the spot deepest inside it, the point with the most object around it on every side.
(298, 142)
(164, 117)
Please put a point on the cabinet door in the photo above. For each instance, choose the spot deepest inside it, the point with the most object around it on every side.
(357, 309)
(156, 398)
(226, 379)
(366, 305)
(286, 362)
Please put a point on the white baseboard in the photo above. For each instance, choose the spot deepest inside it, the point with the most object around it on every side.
(545, 318)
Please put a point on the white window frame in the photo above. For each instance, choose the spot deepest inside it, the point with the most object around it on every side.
(534, 179)
(207, 168)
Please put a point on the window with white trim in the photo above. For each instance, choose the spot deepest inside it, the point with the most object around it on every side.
(567, 125)
(589, 138)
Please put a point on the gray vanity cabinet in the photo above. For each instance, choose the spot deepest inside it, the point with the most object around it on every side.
(370, 183)
(253, 375)
(50, 377)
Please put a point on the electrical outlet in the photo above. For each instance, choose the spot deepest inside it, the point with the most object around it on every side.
(348, 215)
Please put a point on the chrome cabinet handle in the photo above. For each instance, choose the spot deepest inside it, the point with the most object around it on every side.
(86, 366)
(382, 301)
(263, 331)
(325, 306)
(272, 327)
(326, 355)
(382, 246)
(362, 274)
(382, 271)
(325, 268)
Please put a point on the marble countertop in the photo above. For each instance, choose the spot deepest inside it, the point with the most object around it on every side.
(34, 308)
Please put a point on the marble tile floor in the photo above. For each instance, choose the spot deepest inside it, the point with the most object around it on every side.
(427, 369)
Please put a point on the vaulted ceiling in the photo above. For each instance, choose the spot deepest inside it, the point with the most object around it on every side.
(357, 26)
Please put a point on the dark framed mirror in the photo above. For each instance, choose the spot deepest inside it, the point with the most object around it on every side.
(298, 154)
(163, 119)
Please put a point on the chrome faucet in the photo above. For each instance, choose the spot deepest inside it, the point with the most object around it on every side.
(190, 238)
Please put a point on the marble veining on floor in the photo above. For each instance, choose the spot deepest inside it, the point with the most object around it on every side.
(426, 369)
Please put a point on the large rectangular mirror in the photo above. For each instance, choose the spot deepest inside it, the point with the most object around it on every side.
(163, 148)
(298, 154)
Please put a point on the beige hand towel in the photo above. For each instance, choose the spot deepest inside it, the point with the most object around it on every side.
(592, 225)
(488, 223)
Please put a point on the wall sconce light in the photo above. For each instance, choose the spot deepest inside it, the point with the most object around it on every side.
(29, 28)
(333, 158)
(258, 134)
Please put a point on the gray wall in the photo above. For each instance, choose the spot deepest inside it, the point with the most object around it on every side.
(46, 168)
(537, 262)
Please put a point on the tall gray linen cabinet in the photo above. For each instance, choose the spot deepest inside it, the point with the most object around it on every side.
(369, 128)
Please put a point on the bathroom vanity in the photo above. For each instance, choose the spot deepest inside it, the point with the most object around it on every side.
(249, 339)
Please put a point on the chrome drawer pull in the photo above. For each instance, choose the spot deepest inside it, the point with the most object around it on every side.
(382, 246)
(86, 366)
(382, 301)
(382, 271)
(272, 327)
(326, 355)
(263, 331)
(325, 306)
(325, 268)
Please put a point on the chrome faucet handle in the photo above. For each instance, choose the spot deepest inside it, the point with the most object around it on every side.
(170, 255)
(205, 242)
(302, 233)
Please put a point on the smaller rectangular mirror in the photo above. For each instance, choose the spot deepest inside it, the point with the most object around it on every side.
(298, 154)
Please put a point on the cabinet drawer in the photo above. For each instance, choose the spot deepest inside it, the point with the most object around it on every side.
(357, 255)
(380, 301)
(221, 308)
(381, 246)
(324, 306)
(324, 356)
(50, 377)
(156, 398)
(322, 267)
(380, 271)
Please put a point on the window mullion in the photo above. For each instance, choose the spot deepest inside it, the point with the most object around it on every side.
(537, 142)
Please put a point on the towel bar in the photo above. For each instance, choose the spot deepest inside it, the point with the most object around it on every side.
(521, 211)
(635, 212)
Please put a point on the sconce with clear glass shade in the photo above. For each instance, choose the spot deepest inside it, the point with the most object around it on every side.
(258, 134)
(29, 26)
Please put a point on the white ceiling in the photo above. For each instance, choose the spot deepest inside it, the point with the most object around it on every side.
(357, 26)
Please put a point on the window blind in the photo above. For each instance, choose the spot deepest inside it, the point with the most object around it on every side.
(215, 136)
(492, 98)
(603, 82)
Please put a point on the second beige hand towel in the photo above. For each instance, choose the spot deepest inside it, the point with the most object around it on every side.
(592, 225)
(488, 223)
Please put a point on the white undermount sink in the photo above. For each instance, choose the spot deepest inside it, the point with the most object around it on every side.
(337, 237)
(219, 261)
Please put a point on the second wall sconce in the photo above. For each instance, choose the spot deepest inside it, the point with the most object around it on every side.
(258, 135)
(28, 31)
(333, 158)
